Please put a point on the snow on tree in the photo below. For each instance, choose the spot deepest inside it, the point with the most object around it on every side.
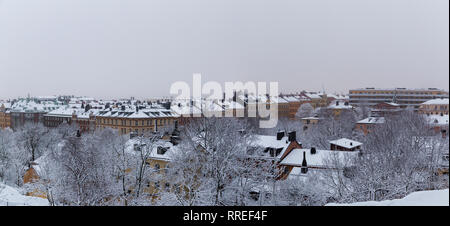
(305, 110)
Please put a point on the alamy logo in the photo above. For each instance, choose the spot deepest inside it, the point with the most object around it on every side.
(260, 101)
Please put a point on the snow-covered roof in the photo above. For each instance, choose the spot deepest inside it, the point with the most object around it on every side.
(311, 118)
(295, 157)
(313, 95)
(10, 196)
(346, 143)
(372, 120)
(31, 105)
(341, 105)
(437, 120)
(266, 141)
(443, 101)
(291, 99)
(185, 109)
(171, 149)
(142, 113)
(7, 105)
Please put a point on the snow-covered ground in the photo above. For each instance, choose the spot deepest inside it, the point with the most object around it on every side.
(421, 198)
(10, 196)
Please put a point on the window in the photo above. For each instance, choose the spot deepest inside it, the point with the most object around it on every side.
(167, 187)
(161, 150)
(166, 169)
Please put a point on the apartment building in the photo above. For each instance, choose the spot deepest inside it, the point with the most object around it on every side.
(435, 107)
(84, 119)
(31, 110)
(139, 121)
(5, 116)
(402, 96)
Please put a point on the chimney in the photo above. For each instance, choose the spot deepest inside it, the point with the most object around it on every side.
(292, 136)
(313, 151)
(337, 103)
(351, 143)
(280, 134)
(304, 168)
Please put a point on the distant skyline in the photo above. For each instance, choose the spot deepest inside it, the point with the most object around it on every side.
(117, 49)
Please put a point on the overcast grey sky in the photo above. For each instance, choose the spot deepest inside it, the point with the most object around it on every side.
(112, 48)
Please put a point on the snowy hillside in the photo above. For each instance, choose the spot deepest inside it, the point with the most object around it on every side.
(421, 198)
(10, 196)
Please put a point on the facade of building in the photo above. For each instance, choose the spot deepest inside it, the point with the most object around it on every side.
(435, 107)
(31, 110)
(294, 105)
(345, 144)
(84, 120)
(336, 108)
(139, 121)
(384, 109)
(367, 124)
(402, 96)
(5, 116)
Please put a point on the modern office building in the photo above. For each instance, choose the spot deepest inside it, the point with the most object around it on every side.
(402, 96)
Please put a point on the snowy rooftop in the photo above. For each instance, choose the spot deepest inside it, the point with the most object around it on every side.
(372, 120)
(31, 105)
(346, 143)
(437, 120)
(340, 105)
(184, 108)
(443, 101)
(142, 113)
(291, 99)
(266, 141)
(168, 155)
(319, 159)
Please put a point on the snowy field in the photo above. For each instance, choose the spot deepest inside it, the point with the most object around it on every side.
(421, 198)
(10, 196)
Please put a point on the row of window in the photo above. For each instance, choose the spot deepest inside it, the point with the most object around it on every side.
(148, 122)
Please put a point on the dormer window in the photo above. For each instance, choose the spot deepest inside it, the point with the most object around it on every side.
(161, 150)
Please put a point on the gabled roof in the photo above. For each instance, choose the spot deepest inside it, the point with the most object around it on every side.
(346, 143)
(443, 101)
(372, 120)
(319, 159)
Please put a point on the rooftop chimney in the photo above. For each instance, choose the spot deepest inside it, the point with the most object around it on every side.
(313, 151)
(304, 168)
(280, 135)
(292, 136)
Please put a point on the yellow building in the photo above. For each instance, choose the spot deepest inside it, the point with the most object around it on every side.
(435, 107)
(139, 121)
(5, 117)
